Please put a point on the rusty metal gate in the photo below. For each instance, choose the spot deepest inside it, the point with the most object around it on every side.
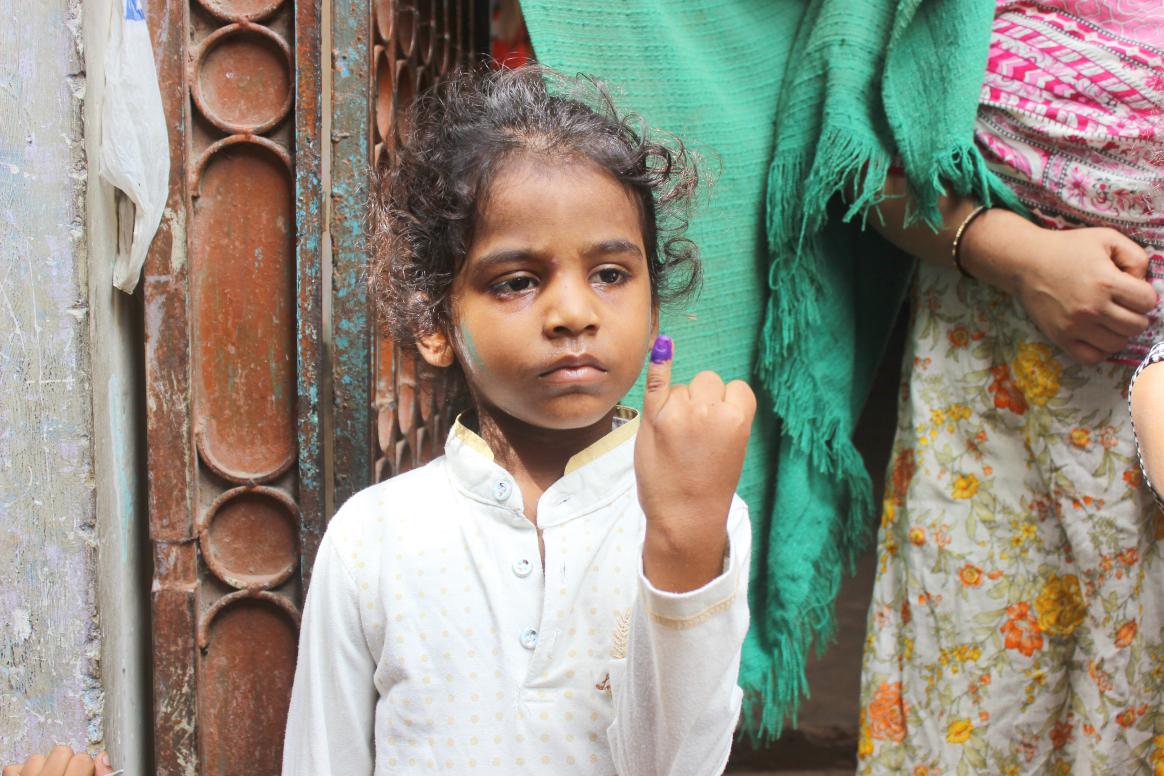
(255, 278)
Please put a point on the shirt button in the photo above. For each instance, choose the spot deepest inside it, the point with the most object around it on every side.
(529, 638)
(522, 567)
(501, 490)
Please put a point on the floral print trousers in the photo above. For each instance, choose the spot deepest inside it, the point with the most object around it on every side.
(1017, 620)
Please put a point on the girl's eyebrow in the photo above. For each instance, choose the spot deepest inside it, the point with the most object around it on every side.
(504, 256)
(601, 248)
(618, 245)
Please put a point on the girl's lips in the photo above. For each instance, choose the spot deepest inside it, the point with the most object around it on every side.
(580, 373)
(573, 363)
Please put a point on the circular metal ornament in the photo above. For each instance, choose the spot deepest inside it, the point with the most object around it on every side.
(243, 78)
(241, 597)
(405, 31)
(407, 86)
(383, 94)
(242, 10)
(249, 537)
(426, 32)
(384, 13)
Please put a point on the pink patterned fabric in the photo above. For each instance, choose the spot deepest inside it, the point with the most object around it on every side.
(1072, 116)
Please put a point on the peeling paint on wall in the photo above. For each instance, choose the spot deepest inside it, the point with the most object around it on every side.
(50, 681)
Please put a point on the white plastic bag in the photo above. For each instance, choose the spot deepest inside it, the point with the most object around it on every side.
(135, 149)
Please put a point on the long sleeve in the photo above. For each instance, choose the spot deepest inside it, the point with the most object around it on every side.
(333, 701)
(676, 698)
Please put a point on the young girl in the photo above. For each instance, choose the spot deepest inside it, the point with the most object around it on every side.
(564, 591)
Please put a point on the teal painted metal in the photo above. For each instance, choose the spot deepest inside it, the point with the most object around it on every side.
(309, 268)
(352, 322)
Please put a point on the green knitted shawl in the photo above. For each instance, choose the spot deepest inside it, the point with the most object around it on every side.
(797, 103)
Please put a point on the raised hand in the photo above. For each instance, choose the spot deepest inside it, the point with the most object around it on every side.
(62, 761)
(688, 457)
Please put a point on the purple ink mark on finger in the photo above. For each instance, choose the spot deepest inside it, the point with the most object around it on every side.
(662, 350)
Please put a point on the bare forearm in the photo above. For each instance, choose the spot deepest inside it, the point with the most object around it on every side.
(919, 240)
(991, 247)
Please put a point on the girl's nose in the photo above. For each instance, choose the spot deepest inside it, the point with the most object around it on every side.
(570, 309)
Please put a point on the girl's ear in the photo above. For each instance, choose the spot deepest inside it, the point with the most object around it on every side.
(436, 349)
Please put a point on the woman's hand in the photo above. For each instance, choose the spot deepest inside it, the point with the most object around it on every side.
(688, 457)
(62, 761)
(1083, 288)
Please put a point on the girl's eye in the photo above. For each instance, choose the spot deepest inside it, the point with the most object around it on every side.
(611, 275)
(514, 285)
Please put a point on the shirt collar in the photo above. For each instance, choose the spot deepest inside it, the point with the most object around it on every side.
(593, 477)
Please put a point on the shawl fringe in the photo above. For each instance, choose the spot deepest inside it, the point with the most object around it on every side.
(775, 683)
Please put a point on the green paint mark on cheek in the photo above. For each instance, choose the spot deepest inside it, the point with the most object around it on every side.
(475, 361)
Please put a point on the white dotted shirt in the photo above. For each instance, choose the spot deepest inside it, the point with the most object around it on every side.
(433, 640)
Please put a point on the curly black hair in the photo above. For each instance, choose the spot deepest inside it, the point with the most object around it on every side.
(425, 202)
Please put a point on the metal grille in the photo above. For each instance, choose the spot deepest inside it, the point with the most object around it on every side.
(230, 293)
(235, 338)
(387, 420)
(416, 45)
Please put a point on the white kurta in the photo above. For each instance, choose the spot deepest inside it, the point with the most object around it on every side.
(434, 640)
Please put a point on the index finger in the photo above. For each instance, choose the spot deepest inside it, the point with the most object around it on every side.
(1134, 294)
(658, 386)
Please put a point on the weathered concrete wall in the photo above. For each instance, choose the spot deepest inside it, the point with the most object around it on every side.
(50, 682)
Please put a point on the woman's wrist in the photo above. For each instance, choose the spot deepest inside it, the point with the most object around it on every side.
(998, 247)
(956, 248)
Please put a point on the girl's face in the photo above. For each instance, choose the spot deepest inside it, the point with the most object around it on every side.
(552, 306)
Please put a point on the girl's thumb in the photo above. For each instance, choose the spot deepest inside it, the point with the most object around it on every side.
(658, 376)
(104, 767)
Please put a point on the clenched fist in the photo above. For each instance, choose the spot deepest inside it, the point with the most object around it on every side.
(1086, 289)
(688, 457)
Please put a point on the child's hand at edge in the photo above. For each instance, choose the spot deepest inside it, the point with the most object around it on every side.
(1148, 415)
(688, 457)
(62, 761)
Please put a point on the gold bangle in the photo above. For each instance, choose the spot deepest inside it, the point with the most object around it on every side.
(955, 249)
